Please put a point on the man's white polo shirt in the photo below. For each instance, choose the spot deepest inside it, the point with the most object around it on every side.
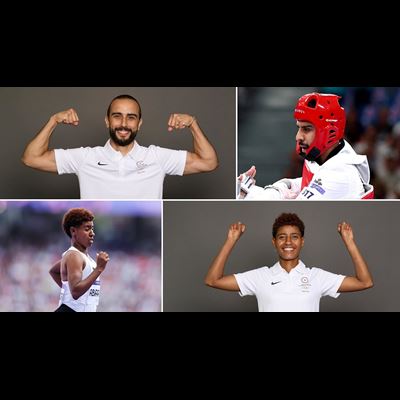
(105, 173)
(299, 290)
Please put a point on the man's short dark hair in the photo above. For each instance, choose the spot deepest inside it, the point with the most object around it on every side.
(75, 217)
(124, 97)
(287, 219)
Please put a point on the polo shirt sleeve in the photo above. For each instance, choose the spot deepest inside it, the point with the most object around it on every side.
(329, 282)
(68, 161)
(247, 282)
(172, 162)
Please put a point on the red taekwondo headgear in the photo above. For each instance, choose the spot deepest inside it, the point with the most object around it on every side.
(328, 117)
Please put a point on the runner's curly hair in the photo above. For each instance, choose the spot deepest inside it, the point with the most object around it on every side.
(75, 217)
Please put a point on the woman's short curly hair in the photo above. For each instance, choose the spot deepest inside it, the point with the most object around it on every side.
(287, 219)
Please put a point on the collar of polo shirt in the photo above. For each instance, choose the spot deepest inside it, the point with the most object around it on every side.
(116, 155)
(300, 268)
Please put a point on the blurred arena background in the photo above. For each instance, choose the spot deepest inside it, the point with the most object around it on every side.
(32, 240)
(267, 132)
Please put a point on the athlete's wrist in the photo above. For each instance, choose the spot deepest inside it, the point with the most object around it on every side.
(191, 123)
(53, 120)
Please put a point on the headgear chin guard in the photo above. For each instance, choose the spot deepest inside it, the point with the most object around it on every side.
(328, 117)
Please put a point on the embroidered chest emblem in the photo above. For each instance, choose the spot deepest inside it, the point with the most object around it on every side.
(141, 165)
(305, 284)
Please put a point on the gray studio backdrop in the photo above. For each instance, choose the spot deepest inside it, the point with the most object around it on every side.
(25, 110)
(194, 232)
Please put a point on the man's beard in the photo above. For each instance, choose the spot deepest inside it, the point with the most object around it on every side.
(302, 149)
(122, 142)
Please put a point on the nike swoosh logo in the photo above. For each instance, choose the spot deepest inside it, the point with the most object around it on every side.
(100, 163)
(274, 283)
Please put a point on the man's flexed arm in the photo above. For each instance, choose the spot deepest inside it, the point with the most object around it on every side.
(37, 154)
(203, 158)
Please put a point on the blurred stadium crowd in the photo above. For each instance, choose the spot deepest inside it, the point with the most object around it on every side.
(32, 240)
(373, 128)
